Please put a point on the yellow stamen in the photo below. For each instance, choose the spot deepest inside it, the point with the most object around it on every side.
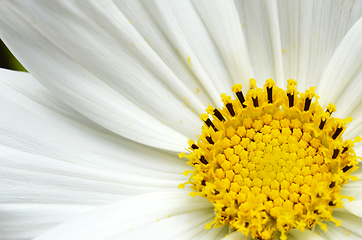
(271, 161)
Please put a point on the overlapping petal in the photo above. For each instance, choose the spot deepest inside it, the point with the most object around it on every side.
(311, 31)
(162, 215)
(350, 226)
(55, 163)
(101, 66)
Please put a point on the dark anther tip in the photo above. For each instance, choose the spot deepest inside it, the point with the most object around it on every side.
(335, 153)
(209, 139)
(255, 102)
(291, 100)
(321, 125)
(327, 111)
(203, 160)
(230, 108)
(241, 98)
(344, 149)
(337, 132)
(210, 124)
(218, 115)
(270, 94)
(307, 104)
(346, 168)
(194, 146)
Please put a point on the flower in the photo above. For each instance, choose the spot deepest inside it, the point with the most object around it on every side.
(93, 146)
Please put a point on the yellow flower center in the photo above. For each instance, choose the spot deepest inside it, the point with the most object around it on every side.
(271, 161)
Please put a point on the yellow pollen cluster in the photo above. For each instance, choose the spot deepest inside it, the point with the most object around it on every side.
(271, 161)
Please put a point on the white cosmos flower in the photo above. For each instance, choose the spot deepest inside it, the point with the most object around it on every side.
(89, 139)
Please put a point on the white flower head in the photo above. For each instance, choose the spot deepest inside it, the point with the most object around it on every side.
(89, 138)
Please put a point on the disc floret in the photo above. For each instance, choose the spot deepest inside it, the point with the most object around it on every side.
(271, 160)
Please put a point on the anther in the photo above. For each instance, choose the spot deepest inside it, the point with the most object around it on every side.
(218, 115)
(237, 90)
(344, 149)
(291, 99)
(255, 102)
(194, 146)
(307, 104)
(335, 153)
(209, 139)
(311, 223)
(229, 106)
(321, 125)
(338, 131)
(210, 124)
(250, 141)
(241, 98)
(203, 160)
(331, 108)
(346, 168)
(270, 94)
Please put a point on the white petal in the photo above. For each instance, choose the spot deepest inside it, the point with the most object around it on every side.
(295, 20)
(182, 226)
(215, 233)
(306, 235)
(350, 223)
(141, 19)
(310, 36)
(335, 232)
(343, 69)
(183, 27)
(353, 189)
(357, 173)
(179, 226)
(237, 236)
(28, 220)
(261, 29)
(33, 122)
(31, 178)
(150, 215)
(55, 163)
(354, 128)
(274, 31)
(355, 207)
(223, 23)
(84, 55)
